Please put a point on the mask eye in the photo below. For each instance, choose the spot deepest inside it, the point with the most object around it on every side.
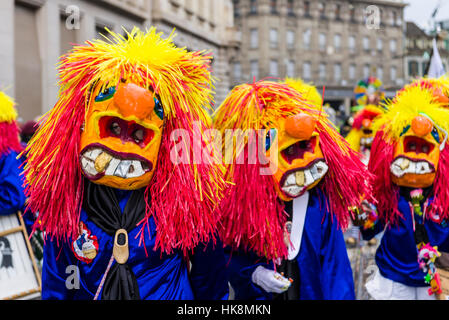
(405, 130)
(271, 135)
(158, 108)
(106, 94)
(435, 135)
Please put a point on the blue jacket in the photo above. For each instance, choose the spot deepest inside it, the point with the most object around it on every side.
(397, 255)
(12, 196)
(159, 276)
(324, 268)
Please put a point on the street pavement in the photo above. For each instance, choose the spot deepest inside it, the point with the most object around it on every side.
(363, 265)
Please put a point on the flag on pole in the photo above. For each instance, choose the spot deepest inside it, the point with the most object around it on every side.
(436, 68)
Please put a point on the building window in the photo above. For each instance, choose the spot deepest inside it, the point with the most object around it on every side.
(366, 71)
(322, 71)
(254, 69)
(290, 8)
(322, 41)
(393, 45)
(238, 35)
(273, 7)
(307, 37)
(273, 38)
(337, 42)
(337, 72)
(307, 71)
(352, 13)
(236, 8)
(290, 39)
(290, 68)
(307, 8)
(413, 69)
(337, 11)
(380, 73)
(351, 44)
(393, 73)
(352, 69)
(254, 39)
(253, 7)
(274, 68)
(322, 10)
(379, 44)
(237, 70)
(365, 43)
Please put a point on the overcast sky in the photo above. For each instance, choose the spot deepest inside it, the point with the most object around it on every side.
(420, 11)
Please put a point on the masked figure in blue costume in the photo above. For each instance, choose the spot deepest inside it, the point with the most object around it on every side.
(292, 216)
(12, 196)
(117, 206)
(410, 167)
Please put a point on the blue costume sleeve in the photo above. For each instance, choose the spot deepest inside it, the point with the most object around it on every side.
(208, 276)
(12, 196)
(241, 266)
(336, 274)
(54, 276)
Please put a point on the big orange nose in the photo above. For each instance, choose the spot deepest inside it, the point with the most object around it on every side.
(300, 126)
(366, 123)
(131, 100)
(421, 126)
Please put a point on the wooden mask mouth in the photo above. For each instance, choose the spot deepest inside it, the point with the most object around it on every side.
(296, 181)
(403, 165)
(98, 161)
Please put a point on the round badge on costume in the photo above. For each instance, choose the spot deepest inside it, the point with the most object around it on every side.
(85, 247)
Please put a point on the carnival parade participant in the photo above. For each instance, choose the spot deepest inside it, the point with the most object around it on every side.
(369, 95)
(103, 173)
(409, 161)
(285, 226)
(12, 196)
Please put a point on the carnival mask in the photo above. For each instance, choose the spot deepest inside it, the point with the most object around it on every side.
(121, 136)
(416, 155)
(301, 161)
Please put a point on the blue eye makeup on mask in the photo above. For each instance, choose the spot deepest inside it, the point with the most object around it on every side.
(106, 94)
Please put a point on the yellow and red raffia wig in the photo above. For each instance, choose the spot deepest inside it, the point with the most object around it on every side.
(9, 132)
(175, 85)
(438, 86)
(361, 134)
(410, 149)
(252, 211)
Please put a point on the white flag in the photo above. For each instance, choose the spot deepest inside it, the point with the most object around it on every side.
(436, 68)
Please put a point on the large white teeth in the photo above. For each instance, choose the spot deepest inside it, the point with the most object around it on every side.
(92, 154)
(402, 166)
(290, 180)
(422, 167)
(297, 181)
(135, 170)
(115, 167)
(112, 166)
(88, 166)
(122, 168)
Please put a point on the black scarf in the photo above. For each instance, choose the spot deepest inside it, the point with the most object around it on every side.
(102, 207)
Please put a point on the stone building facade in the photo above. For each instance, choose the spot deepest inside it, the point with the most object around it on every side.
(201, 25)
(35, 33)
(331, 43)
(419, 47)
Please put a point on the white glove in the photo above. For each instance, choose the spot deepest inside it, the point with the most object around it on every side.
(270, 280)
